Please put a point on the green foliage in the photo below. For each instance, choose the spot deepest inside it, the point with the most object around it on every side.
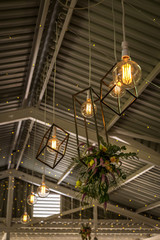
(85, 232)
(103, 169)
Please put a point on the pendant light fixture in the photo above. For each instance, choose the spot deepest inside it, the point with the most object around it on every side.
(52, 148)
(31, 199)
(25, 218)
(127, 72)
(87, 106)
(54, 143)
(43, 191)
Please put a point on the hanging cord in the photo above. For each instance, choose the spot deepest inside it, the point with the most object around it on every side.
(45, 119)
(114, 31)
(83, 8)
(54, 80)
(123, 21)
(153, 20)
(89, 39)
(34, 148)
(25, 204)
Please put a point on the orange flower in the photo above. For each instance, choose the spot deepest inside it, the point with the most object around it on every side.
(106, 162)
(109, 168)
(113, 159)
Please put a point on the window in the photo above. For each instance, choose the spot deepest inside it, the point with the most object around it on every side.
(47, 206)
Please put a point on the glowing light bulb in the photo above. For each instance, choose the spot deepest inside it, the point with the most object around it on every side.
(118, 90)
(54, 144)
(43, 190)
(31, 199)
(87, 109)
(127, 72)
(25, 218)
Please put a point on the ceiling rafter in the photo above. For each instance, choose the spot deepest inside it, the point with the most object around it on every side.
(149, 207)
(58, 45)
(33, 58)
(70, 193)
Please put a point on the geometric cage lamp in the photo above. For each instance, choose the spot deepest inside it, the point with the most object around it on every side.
(112, 94)
(53, 146)
(85, 103)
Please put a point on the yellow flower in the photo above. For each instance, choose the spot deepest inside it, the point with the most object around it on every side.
(113, 159)
(78, 183)
(101, 147)
(91, 163)
(104, 149)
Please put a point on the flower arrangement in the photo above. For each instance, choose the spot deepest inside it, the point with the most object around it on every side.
(103, 170)
(85, 232)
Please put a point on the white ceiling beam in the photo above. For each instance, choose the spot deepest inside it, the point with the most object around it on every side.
(67, 172)
(4, 174)
(151, 76)
(133, 215)
(145, 153)
(52, 217)
(58, 45)
(124, 132)
(70, 193)
(131, 177)
(43, 10)
(149, 207)
(76, 231)
(37, 181)
(36, 43)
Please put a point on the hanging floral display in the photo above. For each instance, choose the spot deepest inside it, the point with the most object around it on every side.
(103, 170)
(85, 232)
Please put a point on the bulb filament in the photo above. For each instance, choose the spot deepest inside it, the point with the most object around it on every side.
(54, 144)
(43, 189)
(89, 107)
(31, 198)
(126, 74)
(25, 217)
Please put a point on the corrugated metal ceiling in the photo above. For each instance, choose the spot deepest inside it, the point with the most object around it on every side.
(17, 29)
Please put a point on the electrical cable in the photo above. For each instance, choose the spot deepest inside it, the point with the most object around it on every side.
(142, 13)
(123, 21)
(114, 30)
(83, 8)
(54, 79)
(89, 39)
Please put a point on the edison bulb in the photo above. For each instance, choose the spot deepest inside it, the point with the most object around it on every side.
(31, 199)
(43, 190)
(25, 218)
(87, 109)
(118, 90)
(127, 72)
(54, 143)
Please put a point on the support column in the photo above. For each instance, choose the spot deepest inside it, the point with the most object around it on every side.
(95, 222)
(9, 204)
